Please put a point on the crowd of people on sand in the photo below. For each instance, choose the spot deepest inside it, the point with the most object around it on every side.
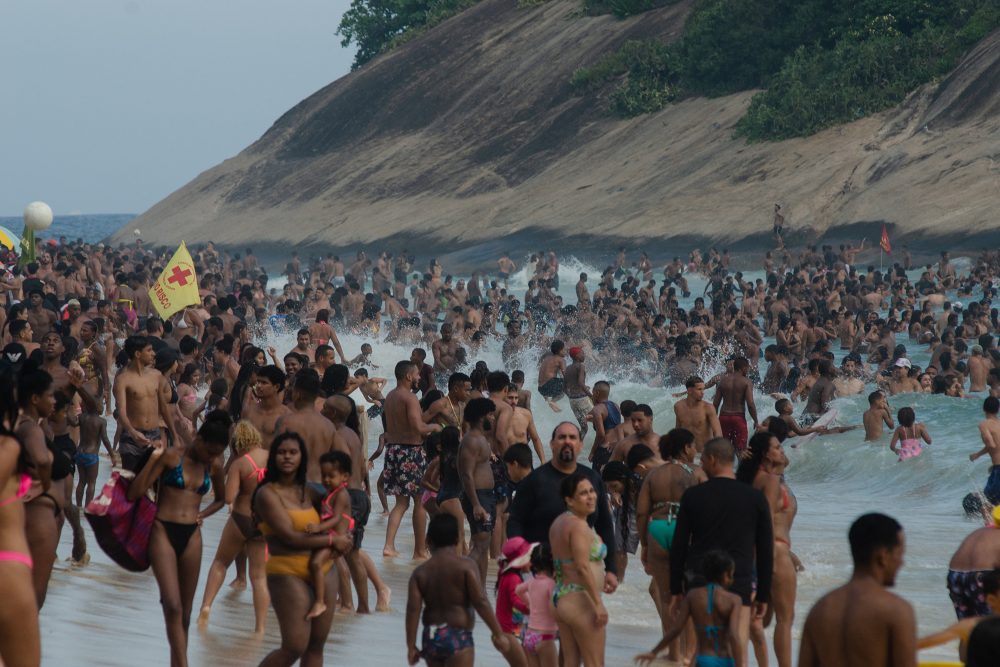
(201, 413)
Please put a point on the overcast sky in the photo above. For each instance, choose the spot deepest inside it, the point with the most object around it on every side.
(107, 106)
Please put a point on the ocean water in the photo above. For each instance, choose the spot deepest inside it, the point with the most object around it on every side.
(92, 228)
(102, 615)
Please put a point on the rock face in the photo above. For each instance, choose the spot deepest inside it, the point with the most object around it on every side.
(471, 135)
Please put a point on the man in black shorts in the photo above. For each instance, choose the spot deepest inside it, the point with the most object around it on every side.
(479, 502)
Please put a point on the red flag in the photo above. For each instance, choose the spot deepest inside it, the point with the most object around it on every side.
(884, 243)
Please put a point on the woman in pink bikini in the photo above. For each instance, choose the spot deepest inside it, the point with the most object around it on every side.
(245, 473)
(20, 643)
(908, 435)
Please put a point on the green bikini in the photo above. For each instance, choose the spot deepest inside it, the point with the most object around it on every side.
(598, 552)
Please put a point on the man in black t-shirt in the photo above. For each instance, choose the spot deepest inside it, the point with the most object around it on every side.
(537, 502)
(725, 514)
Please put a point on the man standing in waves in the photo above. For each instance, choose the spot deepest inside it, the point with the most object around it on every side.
(734, 517)
(405, 460)
(862, 623)
(537, 503)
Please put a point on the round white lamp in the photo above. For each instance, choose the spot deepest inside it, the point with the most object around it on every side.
(37, 218)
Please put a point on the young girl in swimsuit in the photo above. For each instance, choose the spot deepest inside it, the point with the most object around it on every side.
(240, 532)
(715, 613)
(908, 435)
(335, 519)
(541, 630)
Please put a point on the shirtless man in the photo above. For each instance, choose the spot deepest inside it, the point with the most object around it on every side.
(20, 332)
(303, 343)
(479, 502)
(306, 420)
(989, 431)
(642, 433)
(822, 391)
(979, 369)
(697, 415)
(497, 383)
(862, 623)
(445, 351)
(550, 374)
(42, 319)
(505, 267)
(876, 415)
(580, 399)
(605, 416)
(140, 404)
(405, 459)
(777, 371)
(901, 382)
(268, 408)
(447, 410)
(522, 424)
(446, 588)
(337, 409)
(733, 398)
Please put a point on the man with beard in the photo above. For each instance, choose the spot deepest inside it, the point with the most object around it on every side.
(537, 503)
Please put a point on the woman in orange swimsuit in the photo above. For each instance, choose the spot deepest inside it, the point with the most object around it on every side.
(285, 506)
(20, 643)
(765, 471)
(245, 473)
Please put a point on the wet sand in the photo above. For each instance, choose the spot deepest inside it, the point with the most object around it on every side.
(100, 614)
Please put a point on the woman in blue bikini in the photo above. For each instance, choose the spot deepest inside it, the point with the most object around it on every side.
(714, 611)
(578, 557)
(184, 476)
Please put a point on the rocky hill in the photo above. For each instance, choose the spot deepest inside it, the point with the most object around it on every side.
(471, 137)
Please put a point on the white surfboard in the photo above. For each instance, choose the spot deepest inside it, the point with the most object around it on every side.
(824, 420)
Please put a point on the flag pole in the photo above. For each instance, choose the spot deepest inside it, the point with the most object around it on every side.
(880, 254)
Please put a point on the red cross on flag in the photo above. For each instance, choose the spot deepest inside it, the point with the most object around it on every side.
(177, 286)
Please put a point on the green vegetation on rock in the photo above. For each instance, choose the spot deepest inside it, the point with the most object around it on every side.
(375, 26)
(822, 62)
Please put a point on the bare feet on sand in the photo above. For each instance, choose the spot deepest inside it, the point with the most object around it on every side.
(203, 616)
(554, 406)
(389, 552)
(384, 597)
(238, 584)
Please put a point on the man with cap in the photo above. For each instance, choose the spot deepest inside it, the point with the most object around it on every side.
(580, 398)
(901, 382)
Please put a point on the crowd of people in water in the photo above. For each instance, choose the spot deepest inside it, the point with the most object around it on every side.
(199, 413)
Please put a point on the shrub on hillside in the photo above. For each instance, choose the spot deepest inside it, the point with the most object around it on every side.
(822, 61)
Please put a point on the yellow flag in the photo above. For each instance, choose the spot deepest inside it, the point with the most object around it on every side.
(177, 286)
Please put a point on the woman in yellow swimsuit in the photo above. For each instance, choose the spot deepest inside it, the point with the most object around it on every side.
(285, 506)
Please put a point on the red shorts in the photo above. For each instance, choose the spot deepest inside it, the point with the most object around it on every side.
(734, 428)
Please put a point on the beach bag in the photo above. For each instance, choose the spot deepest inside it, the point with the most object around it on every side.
(121, 526)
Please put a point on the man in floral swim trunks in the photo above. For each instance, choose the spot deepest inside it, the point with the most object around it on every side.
(405, 461)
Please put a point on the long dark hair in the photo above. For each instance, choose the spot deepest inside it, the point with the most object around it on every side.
(240, 387)
(272, 472)
(8, 399)
(758, 446)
